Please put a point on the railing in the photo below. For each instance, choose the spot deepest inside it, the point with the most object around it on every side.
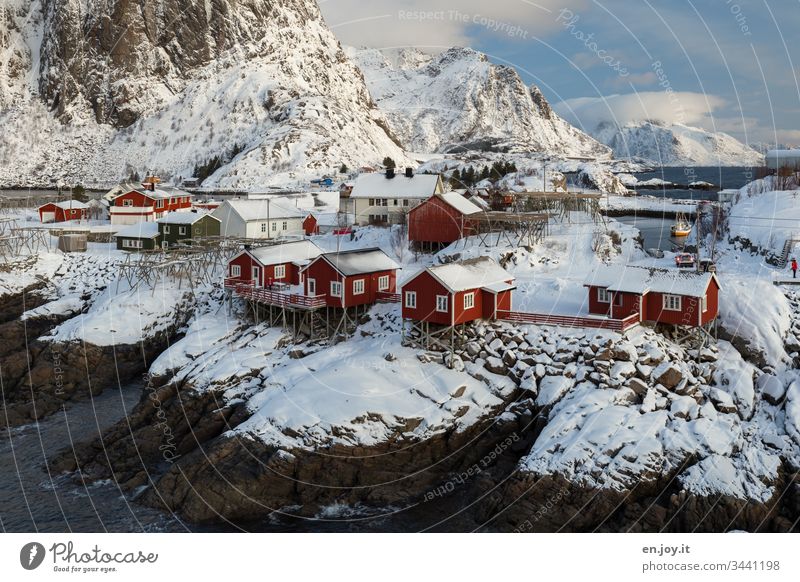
(383, 297)
(279, 299)
(620, 325)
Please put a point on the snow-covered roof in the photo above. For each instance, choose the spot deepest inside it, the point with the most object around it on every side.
(642, 280)
(478, 273)
(274, 208)
(68, 205)
(183, 217)
(419, 186)
(299, 253)
(461, 204)
(140, 230)
(360, 261)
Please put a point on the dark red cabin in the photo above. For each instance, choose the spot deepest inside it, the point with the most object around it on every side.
(62, 211)
(442, 219)
(458, 293)
(351, 278)
(272, 264)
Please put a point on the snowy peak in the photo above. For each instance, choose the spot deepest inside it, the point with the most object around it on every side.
(665, 144)
(459, 100)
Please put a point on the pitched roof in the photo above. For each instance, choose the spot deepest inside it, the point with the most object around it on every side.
(478, 273)
(183, 217)
(360, 261)
(140, 230)
(461, 204)
(419, 186)
(255, 210)
(68, 204)
(299, 253)
(641, 280)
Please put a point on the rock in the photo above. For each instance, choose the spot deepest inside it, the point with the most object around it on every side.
(639, 387)
(653, 355)
(622, 371)
(495, 347)
(644, 372)
(604, 355)
(552, 389)
(722, 401)
(495, 366)
(454, 362)
(668, 374)
(473, 349)
(709, 355)
(390, 357)
(540, 371)
(509, 358)
(772, 389)
(624, 352)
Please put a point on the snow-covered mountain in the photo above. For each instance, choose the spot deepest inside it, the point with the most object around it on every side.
(458, 100)
(675, 145)
(90, 91)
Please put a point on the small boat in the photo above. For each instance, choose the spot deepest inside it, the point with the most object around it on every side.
(682, 227)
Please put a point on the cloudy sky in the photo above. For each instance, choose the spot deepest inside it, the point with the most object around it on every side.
(726, 65)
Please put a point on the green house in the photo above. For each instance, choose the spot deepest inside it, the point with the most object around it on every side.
(143, 236)
(177, 227)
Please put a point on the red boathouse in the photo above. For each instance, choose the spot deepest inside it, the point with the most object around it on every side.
(441, 220)
(271, 264)
(62, 211)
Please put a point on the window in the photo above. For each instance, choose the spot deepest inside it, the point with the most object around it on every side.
(127, 202)
(312, 287)
(395, 202)
(128, 243)
(164, 244)
(280, 271)
(383, 283)
(166, 229)
(159, 204)
(405, 202)
(672, 302)
(705, 303)
(442, 303)
(236, 271)
(372, 202)
(411, 299)
(336, 289)
(358, 287)
(603, 296)
(274, 226)
(181, 230)
(469, 300)
(263, 227)
(285, 225)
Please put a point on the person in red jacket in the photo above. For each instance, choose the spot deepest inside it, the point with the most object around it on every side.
(794, 268)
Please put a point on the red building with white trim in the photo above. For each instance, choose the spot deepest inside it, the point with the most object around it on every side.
(62, 211)
(672, 296)
(458, 293)
(441, 220)
(148, 204)
(351, 278)
(272, 264)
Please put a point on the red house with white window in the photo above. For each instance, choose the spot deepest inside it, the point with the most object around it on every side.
(148, 204)
(672, 296)
(441, 220)
(351, 278)
(63, 211)
(458, 293)
(264, 266)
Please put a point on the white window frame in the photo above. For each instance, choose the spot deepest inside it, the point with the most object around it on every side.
(131, 243)
(704, 303)
(160, 203)
(255, 275)
(166, 229)
(127, 202)
(285, 225)
(469, 300)
(336, 289)
(411, 299)
(182, 230)
(164, 244)
(236, 271)
(383, 283)
(279, 272)
(603, 295)
(263, 227)
(443, 303)
(359, 287)
(274, 227)
(312, 287)
(672, 302)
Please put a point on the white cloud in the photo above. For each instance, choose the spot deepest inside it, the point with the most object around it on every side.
(440, 24)
(678, 107)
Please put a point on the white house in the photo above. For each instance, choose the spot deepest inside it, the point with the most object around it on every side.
(388, 197)
(270, 218)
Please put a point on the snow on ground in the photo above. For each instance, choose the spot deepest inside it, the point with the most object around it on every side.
(648, 203)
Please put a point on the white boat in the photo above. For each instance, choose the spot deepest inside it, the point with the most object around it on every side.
(682, 227)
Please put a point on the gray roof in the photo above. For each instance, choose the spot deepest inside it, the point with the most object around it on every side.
(299, 253)
(184, 217)
(140, 230)
(360, 262)
(641, 280)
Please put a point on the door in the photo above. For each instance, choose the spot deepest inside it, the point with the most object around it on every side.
(48, 217)
(312, 287)
(255, 276)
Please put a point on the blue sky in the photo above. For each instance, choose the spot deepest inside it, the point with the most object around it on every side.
(729, 65)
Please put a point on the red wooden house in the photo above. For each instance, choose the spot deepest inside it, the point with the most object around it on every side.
(441, 220)
(148, 204)
(351, 278)
(273, 264)
(458, 293)
(310, 225)
(677, 297)
(63, 211)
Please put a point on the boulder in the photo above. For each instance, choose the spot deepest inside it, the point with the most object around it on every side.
(668, 374)
(495, 366)
(772, 389)
(722, 401)
(639, 387)
(622, 371)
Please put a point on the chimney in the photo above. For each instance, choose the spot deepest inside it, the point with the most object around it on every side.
(409, 172)
(389, 173)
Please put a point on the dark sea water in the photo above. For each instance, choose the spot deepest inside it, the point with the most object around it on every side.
(722, 178)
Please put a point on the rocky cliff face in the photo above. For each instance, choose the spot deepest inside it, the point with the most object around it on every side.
(459, 101)
(161, 85)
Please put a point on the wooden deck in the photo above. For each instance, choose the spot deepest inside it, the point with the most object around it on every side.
(618, 325)
(278, 299)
